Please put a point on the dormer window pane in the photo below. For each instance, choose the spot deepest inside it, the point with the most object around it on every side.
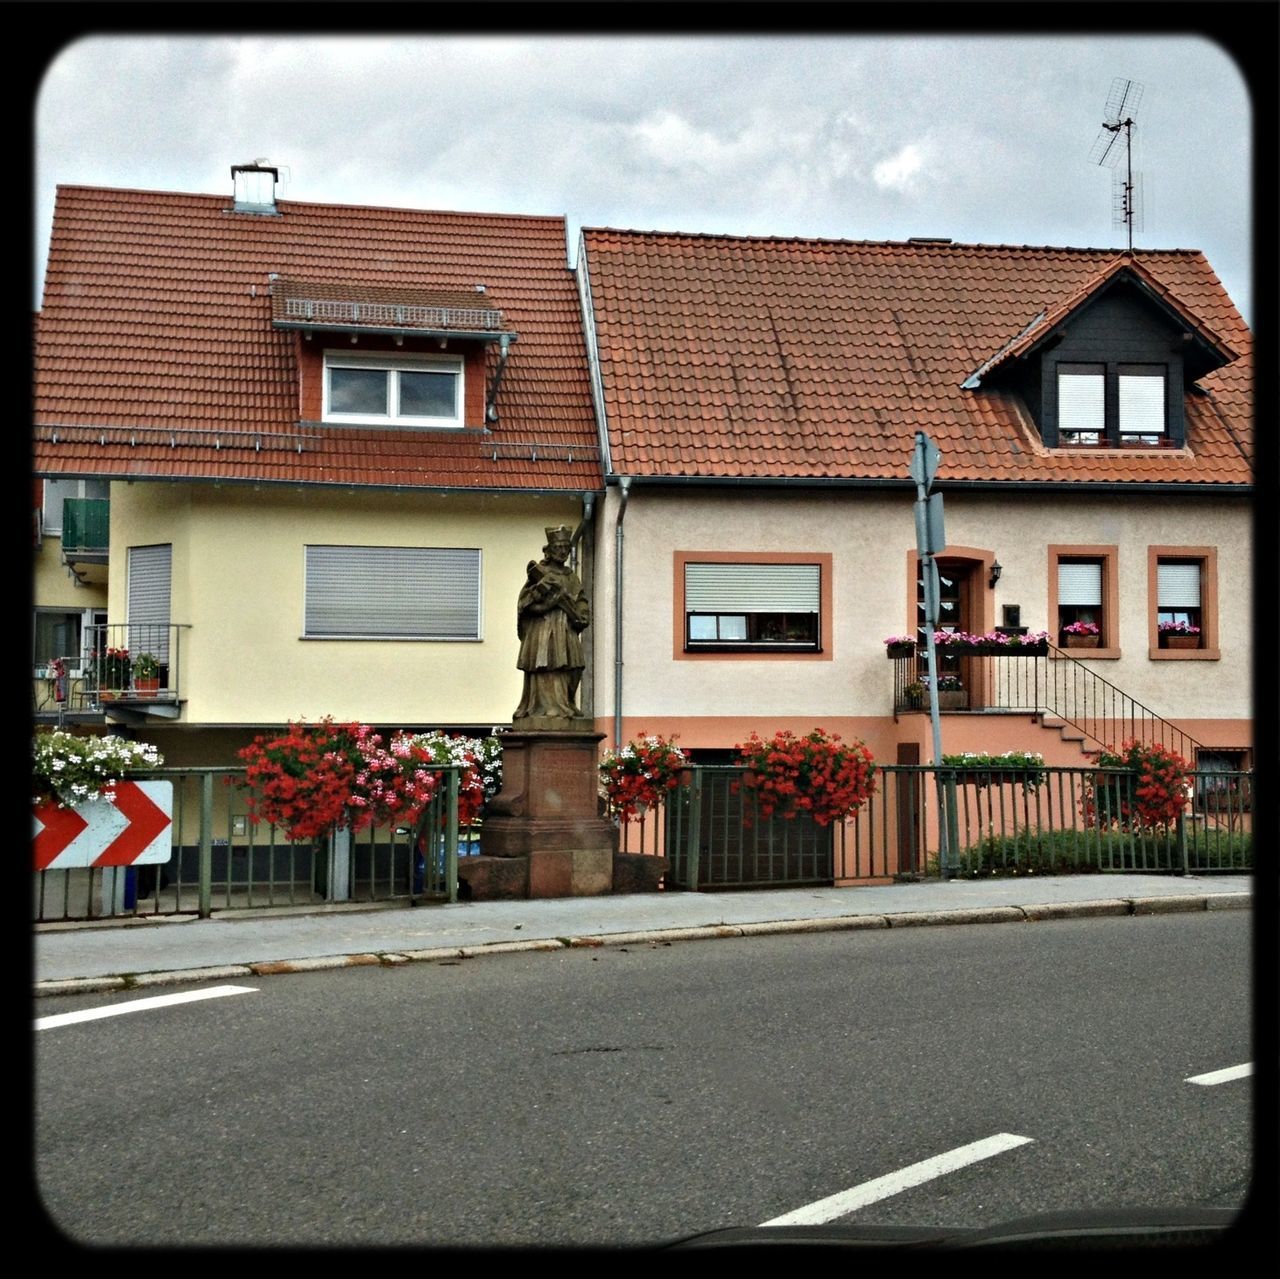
(429, 394)
(1081, 402)
(1142, 402)
(358, 391)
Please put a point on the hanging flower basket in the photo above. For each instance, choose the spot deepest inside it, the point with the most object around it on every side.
(816, 774)
(899, 646)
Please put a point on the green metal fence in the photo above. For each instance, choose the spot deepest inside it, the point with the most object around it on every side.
(222, 861)
(1045, 820)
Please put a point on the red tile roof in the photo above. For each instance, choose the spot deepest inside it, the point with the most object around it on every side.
(157, 355)
(775, 358)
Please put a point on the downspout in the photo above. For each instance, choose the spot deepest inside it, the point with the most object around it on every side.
(624, 487)
(504, 349)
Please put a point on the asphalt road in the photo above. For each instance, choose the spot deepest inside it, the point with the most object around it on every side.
(643, 1092)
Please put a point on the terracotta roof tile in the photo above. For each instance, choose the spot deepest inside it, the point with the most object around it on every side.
(769, 358)
(156, 352)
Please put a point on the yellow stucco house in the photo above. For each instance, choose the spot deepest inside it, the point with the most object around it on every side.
(299, 455)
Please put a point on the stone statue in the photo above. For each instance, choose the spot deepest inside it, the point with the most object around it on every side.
(552, 613)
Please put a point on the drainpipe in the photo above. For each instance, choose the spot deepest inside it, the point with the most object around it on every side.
(624, 487)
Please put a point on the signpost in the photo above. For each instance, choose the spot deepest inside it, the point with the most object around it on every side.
(930, 539)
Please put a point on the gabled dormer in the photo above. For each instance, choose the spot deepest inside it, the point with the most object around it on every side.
(1110, 366)
(399, 358)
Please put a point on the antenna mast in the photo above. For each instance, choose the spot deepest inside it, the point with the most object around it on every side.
(1120, 120)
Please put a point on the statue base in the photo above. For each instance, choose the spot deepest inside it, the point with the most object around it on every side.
(548, 816)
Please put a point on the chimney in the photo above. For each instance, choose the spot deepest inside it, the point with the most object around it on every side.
(254, 186)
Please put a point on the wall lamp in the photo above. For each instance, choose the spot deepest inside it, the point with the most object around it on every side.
(996, 570)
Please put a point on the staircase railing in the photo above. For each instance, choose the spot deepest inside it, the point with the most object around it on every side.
(1056, 685)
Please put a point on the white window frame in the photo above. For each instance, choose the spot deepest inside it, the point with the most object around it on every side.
(397, 576)
(393, 364)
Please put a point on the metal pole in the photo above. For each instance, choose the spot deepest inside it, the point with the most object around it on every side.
(930, 569)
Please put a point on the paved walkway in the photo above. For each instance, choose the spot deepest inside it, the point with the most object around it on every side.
(121, 954)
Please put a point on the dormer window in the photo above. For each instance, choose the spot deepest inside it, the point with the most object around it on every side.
(385, 389)
(1112, 404)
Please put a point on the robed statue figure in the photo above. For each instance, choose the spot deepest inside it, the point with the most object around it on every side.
(552, 613)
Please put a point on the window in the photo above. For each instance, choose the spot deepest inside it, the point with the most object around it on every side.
(65, 633)
(1079, 593)
(1182, 598)
(1083, 591)
(392, 592)
(1141, 403)
(391, 390)
(57, 491)
(1081, 403)
(150, 574)
(1115, 404)
(1178, 594)
(747, 606)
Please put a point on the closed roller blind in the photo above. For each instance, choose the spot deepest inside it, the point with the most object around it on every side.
(1178, 586)
(752, 588)
(393, 592)
(150, 577)
(1142, 403)
(1080, 583)
(1081, 402)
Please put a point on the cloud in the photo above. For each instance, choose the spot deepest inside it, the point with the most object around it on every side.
(898, 172)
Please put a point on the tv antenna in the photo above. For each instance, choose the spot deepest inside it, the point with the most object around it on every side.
(1115, 137)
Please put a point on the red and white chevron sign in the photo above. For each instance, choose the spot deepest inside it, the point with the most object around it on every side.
(131, 825)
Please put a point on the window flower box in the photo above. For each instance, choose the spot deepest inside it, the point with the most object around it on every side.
(1180, 641)
(1081, 641)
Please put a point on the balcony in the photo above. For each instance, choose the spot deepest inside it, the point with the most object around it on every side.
(108, 681)
(86, 536)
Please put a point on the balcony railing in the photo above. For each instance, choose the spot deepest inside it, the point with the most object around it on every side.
(86, 525)
(105, 677)
(1052, 684)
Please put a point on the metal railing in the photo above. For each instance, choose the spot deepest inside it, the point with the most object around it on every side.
(221, 861)
(1055, 685)
(106, 671)
(1044, 820)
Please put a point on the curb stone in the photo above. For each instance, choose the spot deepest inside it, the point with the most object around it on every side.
(656, 937)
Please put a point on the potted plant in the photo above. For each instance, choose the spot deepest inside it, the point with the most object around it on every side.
(69, 770)
(913, 695)
(146, 674)
(112, 670)
(1023, 768)
(818, 774)
(637, 777)
(951, 692)
(1081, 635)
(1178, 635)
(900, 646)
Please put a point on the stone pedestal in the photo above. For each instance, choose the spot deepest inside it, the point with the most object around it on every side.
(548, 811)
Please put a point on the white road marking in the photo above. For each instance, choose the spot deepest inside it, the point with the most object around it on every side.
(870, 1192)
(140, 1005)
(1223, 1076)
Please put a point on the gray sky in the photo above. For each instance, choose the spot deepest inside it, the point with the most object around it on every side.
(982, 139)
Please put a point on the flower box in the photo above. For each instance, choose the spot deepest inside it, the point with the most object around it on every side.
(147, 687)
(1081, 641)
(950, 699)
(900, 650)
(1180, 641)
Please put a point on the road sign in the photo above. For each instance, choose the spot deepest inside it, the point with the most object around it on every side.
(931, 536)
(924, 461)
(131, 826)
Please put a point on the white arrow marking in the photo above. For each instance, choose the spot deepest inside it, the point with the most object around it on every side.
(1223, 1076)
(894, 1183)
(141, 1005)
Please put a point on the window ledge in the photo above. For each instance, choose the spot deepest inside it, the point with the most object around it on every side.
(1086, 654)
(1184, 654)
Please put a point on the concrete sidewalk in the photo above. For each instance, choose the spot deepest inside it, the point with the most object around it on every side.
(135, 952)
